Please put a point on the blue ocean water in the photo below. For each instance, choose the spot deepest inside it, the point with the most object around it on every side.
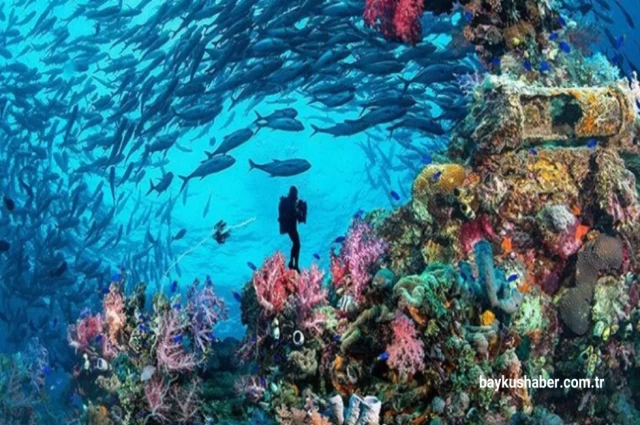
(342, 180)
(348, 174)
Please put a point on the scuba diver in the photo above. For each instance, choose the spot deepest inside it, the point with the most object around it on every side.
(221, 232)
(291, 211)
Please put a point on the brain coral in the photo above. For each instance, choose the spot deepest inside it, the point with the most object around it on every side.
(600, 255)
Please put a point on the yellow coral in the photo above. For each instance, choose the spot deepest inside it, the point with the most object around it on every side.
(487, 318)
(432, 252)
(551, 175)
(441, 178)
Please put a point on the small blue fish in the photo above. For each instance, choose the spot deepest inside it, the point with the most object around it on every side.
(85, 312)
(358, 213)
(437, 176)
(395, 195)
(316, 256)
(616, 59)
(143, 328)
(544, 66)
(564, 46)
(496, 62)
(339, 239)
(116, 277)
(236, 296)
(592, 143)
(336, 338)
(98, 339)
(178, 339)
(553, 36)
(533, 151)
(468, 16)
(426, 160)
(54, 322)
(527, 65)
(208, 282)
(384, 356)
(562, 21)
(105, 290)
(619, 42)
(174, 286)
(263, 382)
(76, 400)
(252, 266)
(46, 370)
(512, 277)
(177, 306)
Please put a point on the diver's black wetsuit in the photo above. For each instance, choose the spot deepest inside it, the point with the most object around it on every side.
(288, 219)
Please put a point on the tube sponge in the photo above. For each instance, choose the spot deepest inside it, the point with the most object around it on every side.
(492, 282)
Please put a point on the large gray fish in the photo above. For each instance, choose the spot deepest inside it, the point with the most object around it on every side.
(162, 185)
(232, 141)
(213, 165)
(285, 168)
(283, 123)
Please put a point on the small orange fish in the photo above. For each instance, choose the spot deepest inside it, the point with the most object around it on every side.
(576, 210)
(524, 288)
(507, 246)
(581, 231)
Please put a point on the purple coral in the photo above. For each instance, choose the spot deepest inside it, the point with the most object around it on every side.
(406, 352)
(205, 310)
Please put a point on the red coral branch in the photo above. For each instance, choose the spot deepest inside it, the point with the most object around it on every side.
(397, 20)
(273, 282)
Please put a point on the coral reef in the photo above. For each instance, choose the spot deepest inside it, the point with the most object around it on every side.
(146, 362)
(517, 258)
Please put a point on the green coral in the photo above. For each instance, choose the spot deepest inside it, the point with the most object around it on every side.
(530, 317)
(428, 291)
(611, 298)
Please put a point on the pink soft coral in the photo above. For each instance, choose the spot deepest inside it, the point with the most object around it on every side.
(396, 19)
(170, 352)
(273, 282)
(360, 251)
(187, 401)
(84, 332)
(252, 388)
(205, 310)
(406, 352)
(156, 392)
(114, 316)
(309, 295)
